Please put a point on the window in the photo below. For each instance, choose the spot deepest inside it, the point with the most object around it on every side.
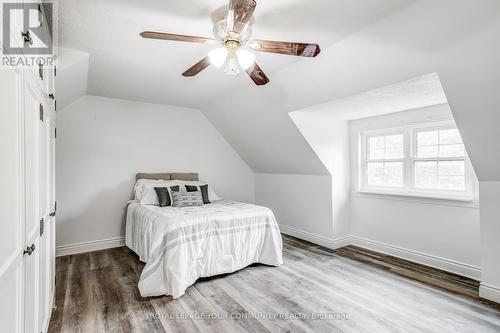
(385, 162)
(421, 160)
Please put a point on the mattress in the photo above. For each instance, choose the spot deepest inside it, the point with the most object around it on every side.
(181, 244)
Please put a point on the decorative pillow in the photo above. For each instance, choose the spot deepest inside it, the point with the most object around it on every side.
(145, 193)
(202, 188)
(211, 193)
(187, 199)
(163, 194)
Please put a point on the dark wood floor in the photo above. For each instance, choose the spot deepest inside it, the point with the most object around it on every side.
(316, 290)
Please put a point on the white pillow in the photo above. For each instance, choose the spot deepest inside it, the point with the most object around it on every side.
(212, 196)
(144, 190)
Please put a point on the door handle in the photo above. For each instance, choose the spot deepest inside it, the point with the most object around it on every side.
(29, 250)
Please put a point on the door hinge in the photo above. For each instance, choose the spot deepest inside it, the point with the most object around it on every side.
(40, 15)
(41, 227)
(55, 70)
(29, 250)
(55, 105)
(40, 70)
(27, 37)
(55, 133)
(55, 210)
(41, 112)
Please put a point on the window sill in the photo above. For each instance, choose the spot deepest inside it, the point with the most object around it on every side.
(428, 198)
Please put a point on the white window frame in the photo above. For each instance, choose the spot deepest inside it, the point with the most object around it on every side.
(410, 148)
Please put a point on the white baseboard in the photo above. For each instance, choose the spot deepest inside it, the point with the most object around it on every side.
(489, 292)
(102, 244)
(452, 266)
(316, 239)
(448, 265)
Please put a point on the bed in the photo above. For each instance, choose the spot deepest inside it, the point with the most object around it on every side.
(181, 244)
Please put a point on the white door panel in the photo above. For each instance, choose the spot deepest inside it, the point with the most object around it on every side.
(12, 241)
(45, 265)
(11, 291)
(32, 263)
(32, 165)
(52, 200)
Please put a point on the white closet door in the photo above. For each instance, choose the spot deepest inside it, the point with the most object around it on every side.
(44, 197)
(32, 163)
(12, 233)
(51, 224)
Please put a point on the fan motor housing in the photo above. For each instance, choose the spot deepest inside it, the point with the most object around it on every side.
(221, 34)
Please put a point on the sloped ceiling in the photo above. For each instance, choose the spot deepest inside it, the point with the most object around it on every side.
(457, 39)
(416, 93)
(365, 45)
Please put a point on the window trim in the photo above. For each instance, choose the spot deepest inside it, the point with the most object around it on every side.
(409, 147)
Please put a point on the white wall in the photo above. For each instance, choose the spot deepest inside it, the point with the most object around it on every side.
(302, 205)
(102, 143)
(443, 234)
(490, 236)
(326, 128)
(328, 136)
(72, 72)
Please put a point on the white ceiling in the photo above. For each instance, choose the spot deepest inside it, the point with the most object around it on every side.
(123, 65)
(416, 93)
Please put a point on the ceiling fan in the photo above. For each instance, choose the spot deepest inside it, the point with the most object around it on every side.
(232, 34)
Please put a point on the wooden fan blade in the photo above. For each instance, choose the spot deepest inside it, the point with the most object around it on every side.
(288, 48)
(239, 14)
(198, 67)
(257, 75)
(176, 37)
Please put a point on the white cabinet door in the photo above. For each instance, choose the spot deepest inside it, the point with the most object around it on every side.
(32, 188)
(12, 233)
(44, 208)
(51, 224)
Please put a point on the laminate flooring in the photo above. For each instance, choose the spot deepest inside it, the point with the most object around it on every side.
(316, 290)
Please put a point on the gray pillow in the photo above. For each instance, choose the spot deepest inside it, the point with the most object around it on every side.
(186, 199)
(163, 195)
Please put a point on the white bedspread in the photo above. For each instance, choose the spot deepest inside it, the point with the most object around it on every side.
(180, 245)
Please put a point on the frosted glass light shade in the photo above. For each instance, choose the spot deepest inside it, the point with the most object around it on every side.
(232, 66)
(245, 58)
(218, 56)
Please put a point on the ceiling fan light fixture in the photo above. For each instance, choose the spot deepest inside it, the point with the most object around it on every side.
(218, 56)
(232, 33)
(246, 59)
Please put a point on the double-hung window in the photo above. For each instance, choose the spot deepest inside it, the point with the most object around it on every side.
(420, 160)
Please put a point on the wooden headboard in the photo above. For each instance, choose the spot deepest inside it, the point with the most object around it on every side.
(168, 176)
